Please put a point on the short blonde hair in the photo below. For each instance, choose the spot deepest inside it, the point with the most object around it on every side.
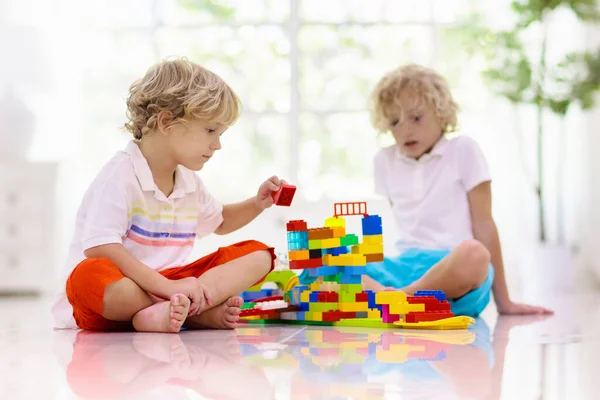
(427, 85)
(183, 88)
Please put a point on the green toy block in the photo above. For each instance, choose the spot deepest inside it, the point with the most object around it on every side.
(314, 244)
(347, 297)
(333, 278)
(323, 307)
(349, 240)
(351, 288)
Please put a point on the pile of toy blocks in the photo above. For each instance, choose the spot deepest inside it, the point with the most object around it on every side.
(425, 305)
(325, 253)
(338, 260)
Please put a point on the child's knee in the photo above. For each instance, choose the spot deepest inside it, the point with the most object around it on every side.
(474, 261)
(262, 261)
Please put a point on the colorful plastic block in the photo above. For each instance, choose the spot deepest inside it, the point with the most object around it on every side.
(320, 233)
(298, 255)
(349, 240)
(296, 225)
(314, 244)
(336, 251)
(374, 257)
(315, 253)
(303, 264)
(333, 222)
(371, 225)
(284, 196)
(367, 249)
(438, 294)
(330, 243)
(372, 239)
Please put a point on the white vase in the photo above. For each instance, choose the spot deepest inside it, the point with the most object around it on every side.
(17, 127)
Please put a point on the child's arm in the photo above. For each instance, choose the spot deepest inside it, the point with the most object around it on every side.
(148, 279)
(484, 230)
(238, 215)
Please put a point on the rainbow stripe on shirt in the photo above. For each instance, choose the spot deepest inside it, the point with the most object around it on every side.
(162, 226)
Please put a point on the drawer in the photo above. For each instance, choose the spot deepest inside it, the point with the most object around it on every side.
(26, 199)
(25, 269)
(29, 229)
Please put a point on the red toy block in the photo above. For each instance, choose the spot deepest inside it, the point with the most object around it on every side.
(257, 311)
(303, 264)
(331, 316)
(333, 297)
(296, 225)
(323, 297)
(362, 297)
(284, 196)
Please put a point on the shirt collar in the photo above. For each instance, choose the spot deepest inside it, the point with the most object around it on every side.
(185, 181)
(438, 150)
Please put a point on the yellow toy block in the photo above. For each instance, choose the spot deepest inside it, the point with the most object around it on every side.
(315, 287)
(373, 239)
(328, 243)
(390, 297)
(354, 307)
(339, 231)
(317, 316)
(364, 248)
(298, 255)
(332, 222)
(374, 313)
(345, 260)
(314, 244)
(305, 297)
(405, 308)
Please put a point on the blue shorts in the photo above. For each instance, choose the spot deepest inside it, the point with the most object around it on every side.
(402, 270)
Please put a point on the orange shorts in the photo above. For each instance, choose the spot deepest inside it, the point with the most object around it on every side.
(87, 282)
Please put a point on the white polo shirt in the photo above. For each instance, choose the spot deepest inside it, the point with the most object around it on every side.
(429, 196)
(124, 205)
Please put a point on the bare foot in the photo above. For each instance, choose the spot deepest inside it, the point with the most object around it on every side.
(166, 316)
(223, 316)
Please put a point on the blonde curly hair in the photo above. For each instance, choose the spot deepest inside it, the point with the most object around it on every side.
(426, 85)
(184, 89)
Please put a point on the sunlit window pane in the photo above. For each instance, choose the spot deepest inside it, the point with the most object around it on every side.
(336, 155)
(339, 65)
(199, 12)
(254, 60)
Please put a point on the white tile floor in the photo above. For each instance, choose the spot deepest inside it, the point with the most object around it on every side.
(509, 358)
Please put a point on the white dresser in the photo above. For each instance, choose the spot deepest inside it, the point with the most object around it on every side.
(27, 226)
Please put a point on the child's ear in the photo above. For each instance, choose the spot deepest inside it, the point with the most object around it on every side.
(164, 120)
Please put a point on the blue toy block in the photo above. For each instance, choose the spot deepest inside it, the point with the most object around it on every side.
(314, 297)
(304, 306)
(354, 270)
(259, 294)
(371, 225)
(372, 303)
(325, 271)
(336, 251)
(297, 240)
(347, 279)
(301, 315)
(438, 294)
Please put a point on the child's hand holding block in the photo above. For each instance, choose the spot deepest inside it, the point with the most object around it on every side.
(284, 196)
